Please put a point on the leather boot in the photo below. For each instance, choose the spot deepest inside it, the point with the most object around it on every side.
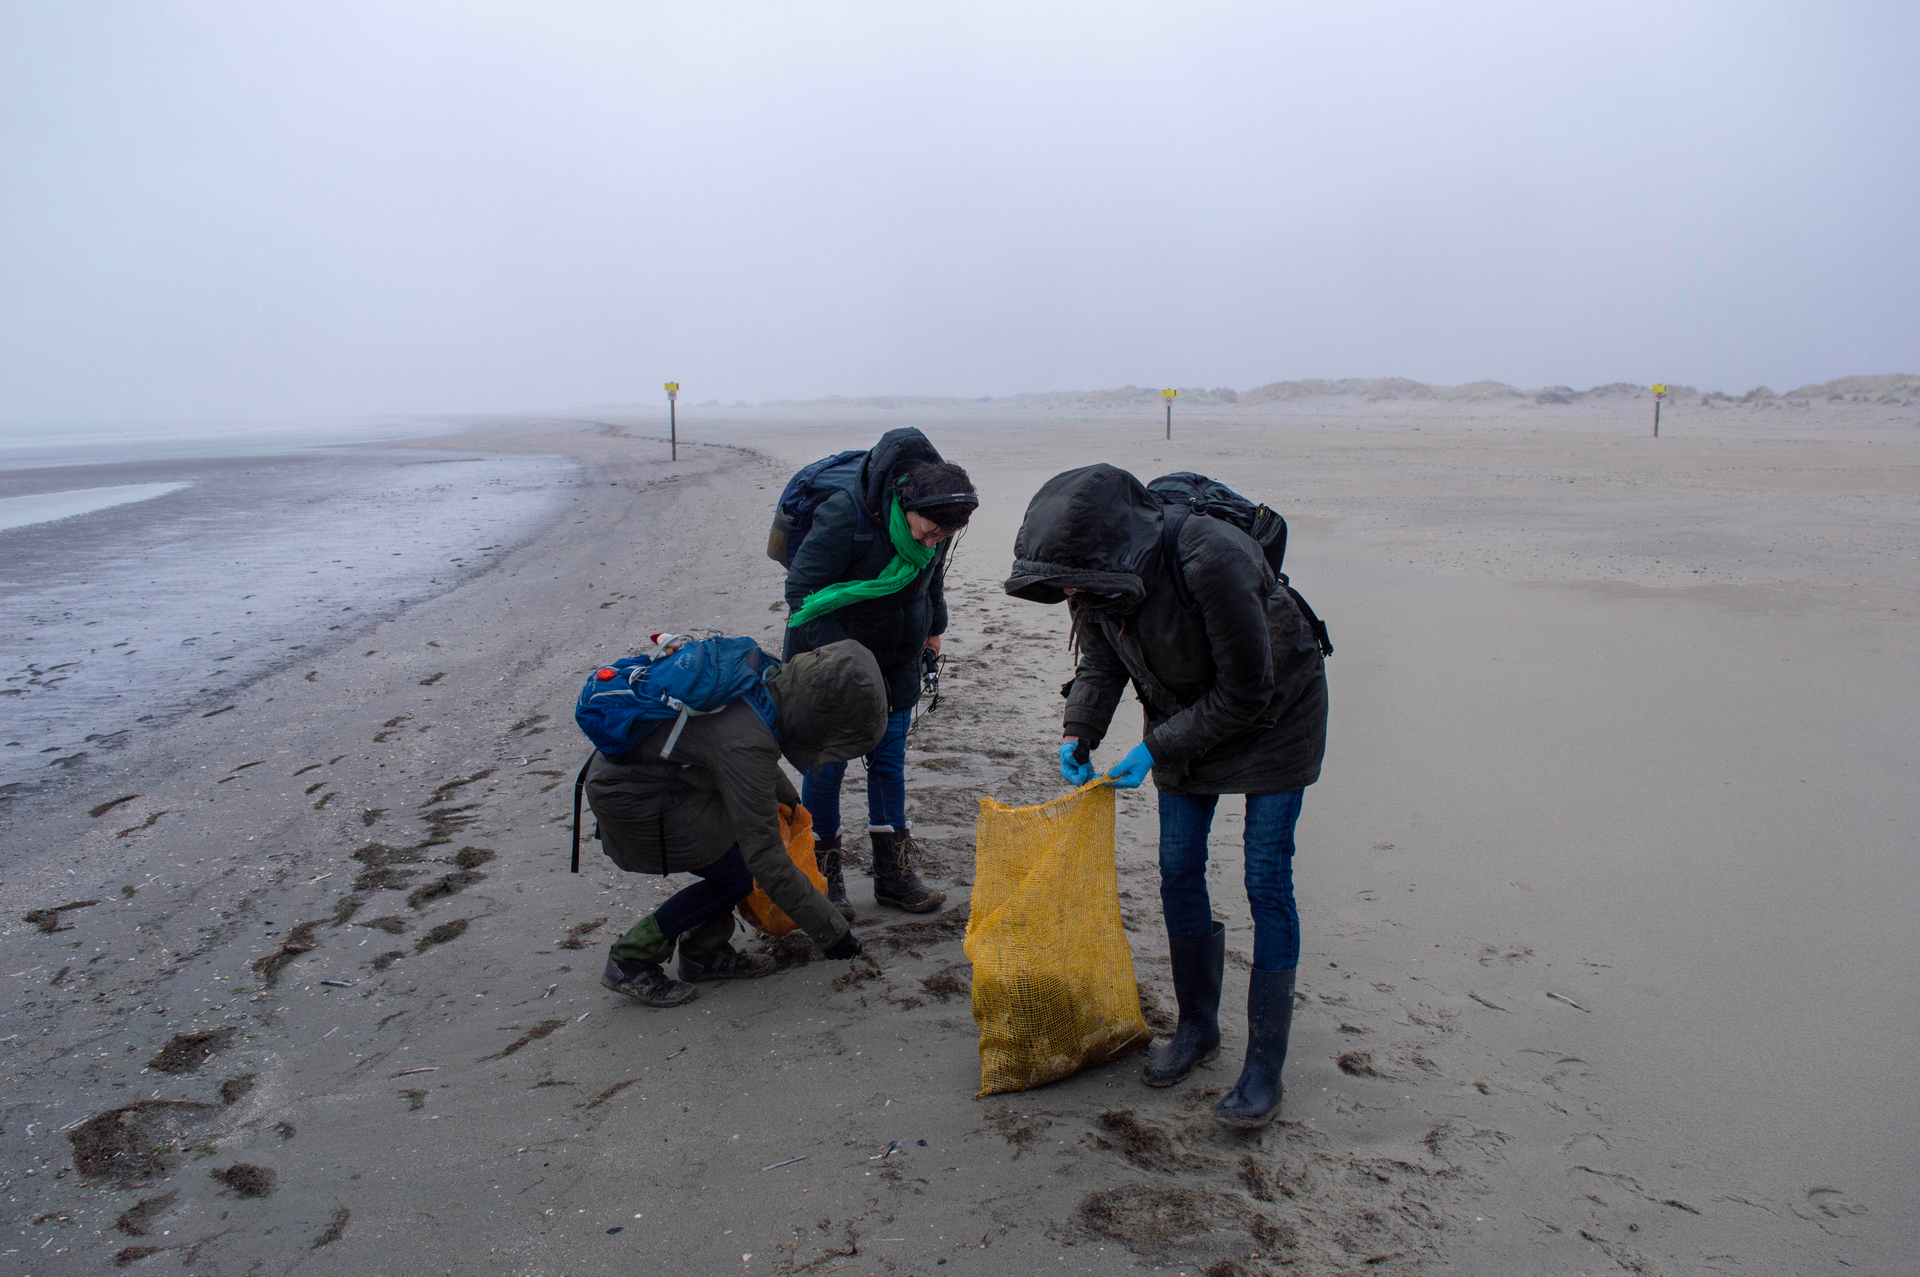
(826, 858)
(893, 882)
(725, 963)
(1198, 965)
(1256, 1097)
(646, 983)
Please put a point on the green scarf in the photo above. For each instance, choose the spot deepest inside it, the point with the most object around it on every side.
(909, 557)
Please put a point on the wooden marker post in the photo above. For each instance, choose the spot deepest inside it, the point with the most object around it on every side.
(673, 424)
(1659, 393)
(1168, 396)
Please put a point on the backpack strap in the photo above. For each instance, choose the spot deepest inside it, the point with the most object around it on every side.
(1314, 623)
(1172, 518)
(579, 785)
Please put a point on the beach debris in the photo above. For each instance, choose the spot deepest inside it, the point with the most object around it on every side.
(339, 984)
(188, 1051)
(48, 920)
(1569, 1001)
(431, 1068)
(137, 1220)
(335, 1227)
(576, 935)
(534, 1034)
(893, 1146)
(550, 989)
(1494, 1006)
(441, 934)
(246, 1179)
(1357, 1064)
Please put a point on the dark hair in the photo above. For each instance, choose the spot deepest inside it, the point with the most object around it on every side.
(939, 491)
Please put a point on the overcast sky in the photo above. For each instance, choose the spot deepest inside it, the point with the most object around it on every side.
(214, 210)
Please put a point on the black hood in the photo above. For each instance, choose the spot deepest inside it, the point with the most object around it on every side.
(899, 450)
(1095, 529)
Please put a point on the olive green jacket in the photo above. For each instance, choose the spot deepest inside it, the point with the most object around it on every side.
(723, 784)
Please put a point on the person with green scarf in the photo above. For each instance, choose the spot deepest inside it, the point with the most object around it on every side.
(872, 569)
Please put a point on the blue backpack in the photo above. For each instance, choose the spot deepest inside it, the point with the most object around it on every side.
(810, 485)
(622, 703)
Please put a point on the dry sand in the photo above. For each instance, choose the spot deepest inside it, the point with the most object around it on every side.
(1607, 895)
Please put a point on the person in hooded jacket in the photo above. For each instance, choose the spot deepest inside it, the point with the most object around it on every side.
(872, 568)
(712, 809)
(1234, 696)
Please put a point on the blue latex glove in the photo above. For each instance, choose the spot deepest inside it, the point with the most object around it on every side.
(1074, 767)
(1133, 768)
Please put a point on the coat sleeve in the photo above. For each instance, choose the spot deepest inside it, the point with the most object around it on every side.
(1099, 677)
(1230, 590)
(747, 775)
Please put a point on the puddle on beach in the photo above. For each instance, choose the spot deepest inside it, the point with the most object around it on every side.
(134, 610)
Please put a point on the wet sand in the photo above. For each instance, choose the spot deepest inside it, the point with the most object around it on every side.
(1607, 898)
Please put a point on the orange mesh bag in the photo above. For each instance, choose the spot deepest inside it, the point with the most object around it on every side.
(796, 830)
(1053, 987)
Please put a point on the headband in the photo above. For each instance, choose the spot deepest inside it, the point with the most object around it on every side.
(968, 499)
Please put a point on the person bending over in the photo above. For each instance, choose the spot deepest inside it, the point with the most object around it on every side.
(872, 568)
(712, 809)
(1234, 696)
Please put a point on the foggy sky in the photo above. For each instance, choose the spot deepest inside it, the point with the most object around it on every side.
(213, 210)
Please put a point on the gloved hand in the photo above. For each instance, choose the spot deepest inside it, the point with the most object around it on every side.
(1074, 767)
(847, 946)
(1133, 768)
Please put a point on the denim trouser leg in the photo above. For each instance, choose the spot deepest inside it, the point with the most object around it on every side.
(820, 795)
(1276, 922)
(1185, 820)
(887, 776)
(886, 783)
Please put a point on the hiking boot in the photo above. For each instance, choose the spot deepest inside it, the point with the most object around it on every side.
(725, 964)
(893, 882)
(1256, 1097)
(646, 984)
(1197, 969)
(826, 857)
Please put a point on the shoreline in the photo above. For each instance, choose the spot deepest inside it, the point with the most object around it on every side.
(1489, 1127)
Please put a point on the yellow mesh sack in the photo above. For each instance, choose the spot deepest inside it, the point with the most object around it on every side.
(1053, 987)
(757, 910)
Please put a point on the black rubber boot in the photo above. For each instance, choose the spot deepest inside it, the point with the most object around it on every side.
(1256, 1097)
(646, 984)
(895, 884)
(826, 858)
(1198, 965)
(725, 964)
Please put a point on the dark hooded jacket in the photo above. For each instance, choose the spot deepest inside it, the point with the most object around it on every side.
(843, 546)
(723, 784)
(1234, 692)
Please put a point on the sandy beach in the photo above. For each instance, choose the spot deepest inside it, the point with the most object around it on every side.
(1607, 891)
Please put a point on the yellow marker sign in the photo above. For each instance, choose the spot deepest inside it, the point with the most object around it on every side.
(1168, 394)
(1660, 390)
(672, 386)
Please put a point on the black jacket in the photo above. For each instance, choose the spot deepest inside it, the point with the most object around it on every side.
(839, 548)
(1234, 693)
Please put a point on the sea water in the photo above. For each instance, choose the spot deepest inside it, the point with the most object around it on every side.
(133, 592)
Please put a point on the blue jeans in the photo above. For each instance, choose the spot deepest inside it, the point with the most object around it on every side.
(886, 784)
(723, 884)
(1185, 820)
